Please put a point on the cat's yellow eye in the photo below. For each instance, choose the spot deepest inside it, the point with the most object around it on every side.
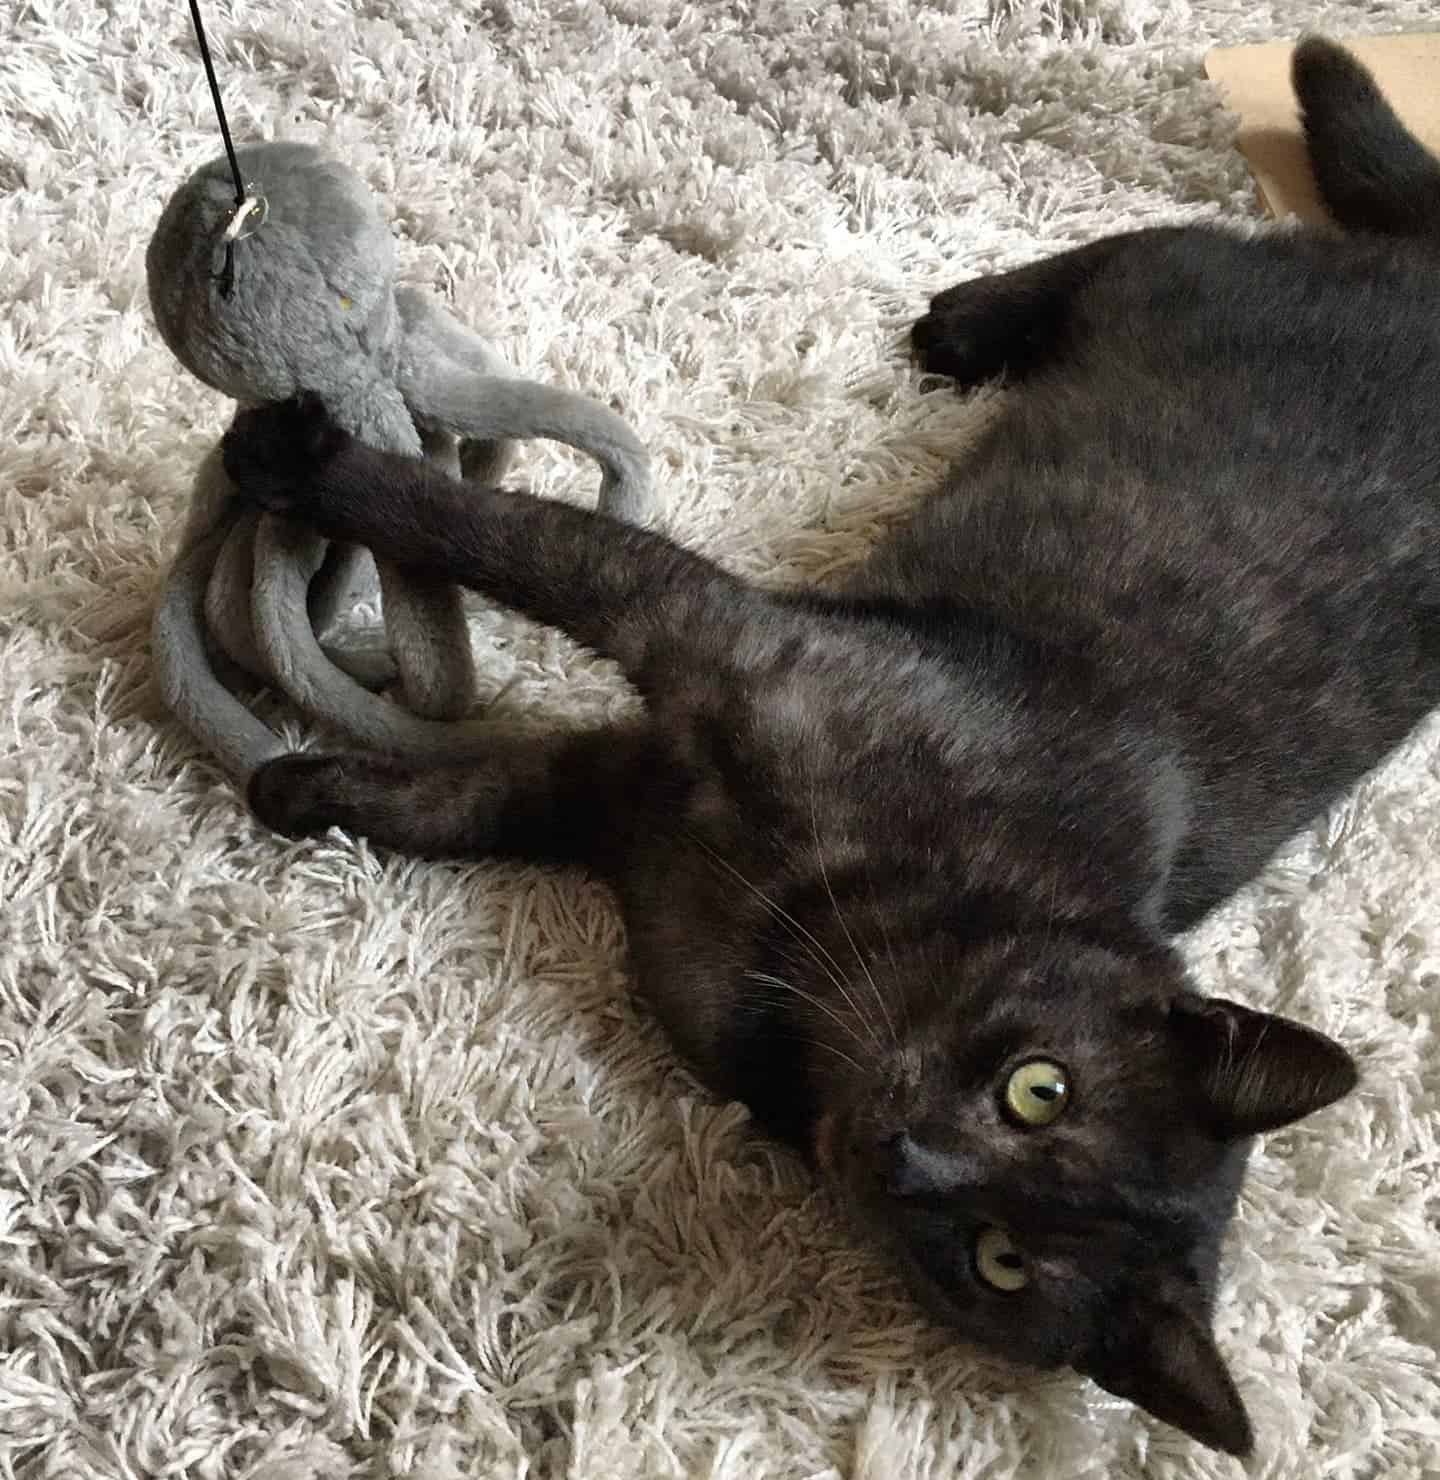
(998, 1262)
(1036, 1092)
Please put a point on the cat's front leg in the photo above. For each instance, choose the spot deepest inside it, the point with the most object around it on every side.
(613, 587)
(1015, 322)
(561, 798)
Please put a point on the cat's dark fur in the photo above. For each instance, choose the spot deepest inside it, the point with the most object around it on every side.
(877, 849)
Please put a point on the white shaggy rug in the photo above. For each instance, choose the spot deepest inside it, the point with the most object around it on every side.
(316, 1164)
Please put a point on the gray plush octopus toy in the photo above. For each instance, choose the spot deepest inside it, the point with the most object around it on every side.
(295, 290)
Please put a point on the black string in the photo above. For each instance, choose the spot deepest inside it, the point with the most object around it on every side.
(227, 272)
(219, 106)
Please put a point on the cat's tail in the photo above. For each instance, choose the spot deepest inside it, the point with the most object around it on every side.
(1373, 173)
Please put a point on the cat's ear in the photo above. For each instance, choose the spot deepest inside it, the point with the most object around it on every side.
(1165, 1359)
(1258, 1071)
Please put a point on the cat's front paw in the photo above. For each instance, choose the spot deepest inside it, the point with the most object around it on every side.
(964, 337)
(300, 795)
(277, 455)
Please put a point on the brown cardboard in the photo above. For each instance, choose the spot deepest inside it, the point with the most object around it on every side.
(1255, 82)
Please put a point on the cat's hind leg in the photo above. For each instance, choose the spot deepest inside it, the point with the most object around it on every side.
(563, 798)
(1015, 322)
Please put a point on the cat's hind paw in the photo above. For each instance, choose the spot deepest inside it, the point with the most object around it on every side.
(962, 337)
(300, 795)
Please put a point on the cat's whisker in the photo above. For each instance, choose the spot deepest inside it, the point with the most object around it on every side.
(798, 1038)
(840, 919)
(889, 950)
(806, 1042)
(764, 978)
(799, 963)
(867, 957)
(829, 1048)
(816, 950)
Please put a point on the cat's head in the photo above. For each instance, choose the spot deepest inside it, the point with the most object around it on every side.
(1052, 1140)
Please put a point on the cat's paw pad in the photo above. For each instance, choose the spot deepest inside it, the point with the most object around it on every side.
(300, 795)
(274, 454)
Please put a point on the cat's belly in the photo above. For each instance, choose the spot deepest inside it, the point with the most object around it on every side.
(1268, 604)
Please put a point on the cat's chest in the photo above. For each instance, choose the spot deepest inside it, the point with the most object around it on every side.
(847, 698)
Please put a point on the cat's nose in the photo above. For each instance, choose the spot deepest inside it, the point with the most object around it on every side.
(910, 1168)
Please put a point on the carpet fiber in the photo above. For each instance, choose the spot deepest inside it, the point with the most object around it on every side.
(315, 1163)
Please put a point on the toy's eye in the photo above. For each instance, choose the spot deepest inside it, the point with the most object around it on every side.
(1037, 1092)
(998, 1262)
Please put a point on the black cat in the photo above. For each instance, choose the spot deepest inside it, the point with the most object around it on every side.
(901, 866)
